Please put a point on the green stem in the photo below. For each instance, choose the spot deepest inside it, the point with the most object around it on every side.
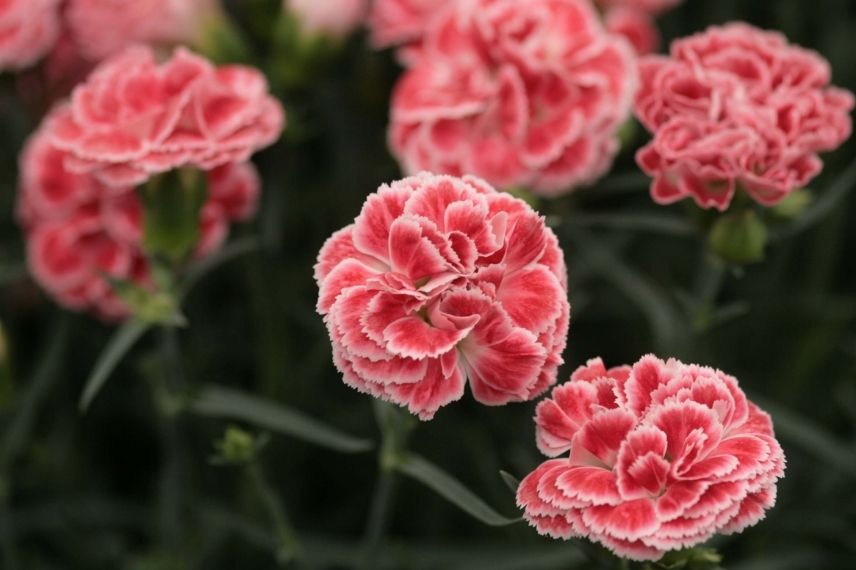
(395, 427)
(709, 282)
(287, 545)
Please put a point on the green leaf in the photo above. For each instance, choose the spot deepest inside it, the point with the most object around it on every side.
(123, 340)
(510, 480)
(811, 438)
(451, 489)
(220, 402)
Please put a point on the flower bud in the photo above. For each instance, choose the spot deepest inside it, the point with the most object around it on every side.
(739, 238)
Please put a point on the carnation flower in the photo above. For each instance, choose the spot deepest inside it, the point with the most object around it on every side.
(336, 18)
(102, 28)
(737, 108)
(28, 29)
(394, 22)
(657, 457)
(441, 280)
(522, 94)
(133, 118)
(79, 230)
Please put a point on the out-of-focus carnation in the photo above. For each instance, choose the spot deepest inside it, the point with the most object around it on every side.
(79, 230)
(441, 280)
(335, 18)
(134, 118)
(28, 29)
(395, 22)
(102, 28)
(663, 456)
(737, 107)
(522, 94)
(636, 26)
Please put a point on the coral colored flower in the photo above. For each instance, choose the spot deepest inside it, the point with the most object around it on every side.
(28, 29)
(102, 28)
(394, 22)
(79, 230)
(737, 108)
(441, 280)
(336, 18)
(528, 94)
(657, 457)
(134, 118)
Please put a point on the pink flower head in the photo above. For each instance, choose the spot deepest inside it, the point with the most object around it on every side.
(394, 22)
(737, 107)
(336, 18)
(28, 29)
(634, 20)
(79, 230)
(528, 94)
(440, 280)
(102, 28)
(663, 455)
(133, 118)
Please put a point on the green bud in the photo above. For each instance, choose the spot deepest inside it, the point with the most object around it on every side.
(793, 205)
(237, 447)
(739, 238)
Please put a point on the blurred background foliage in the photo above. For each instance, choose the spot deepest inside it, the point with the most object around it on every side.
(130, 485)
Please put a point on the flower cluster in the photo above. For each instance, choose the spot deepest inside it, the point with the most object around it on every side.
(28, 29)
(663, 455)
(134, 118)
(80, 231)
(634, 19)
(440, 280)
(737, 108)
(519, 94)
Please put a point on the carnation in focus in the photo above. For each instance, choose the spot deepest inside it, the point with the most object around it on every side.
(521, 94)
(440, 281)
(655, 457)
(735, 109)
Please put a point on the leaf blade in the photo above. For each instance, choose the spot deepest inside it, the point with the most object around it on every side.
(122, 341)
(220, 402)
(422, 470)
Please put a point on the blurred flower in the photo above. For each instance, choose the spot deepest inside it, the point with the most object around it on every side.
(737, 107)
(663, 455)
(102, 28)
(79, 230)
(395, 22)
(334, 18)
(28, 29)
(440, 280)
(133, 118)
(523, 95)
(634, 19)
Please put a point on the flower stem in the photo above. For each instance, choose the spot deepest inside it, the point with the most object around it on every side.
(709, 282)
(395, 428)
(287, 545)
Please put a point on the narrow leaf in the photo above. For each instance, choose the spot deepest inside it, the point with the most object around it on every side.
(220, 402)
(123, 340)
(510, 480)
(452, 490)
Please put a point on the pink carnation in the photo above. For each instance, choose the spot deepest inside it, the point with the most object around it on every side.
(529, 94)
(736, 107)
(133, 118)
(636, 26)
(79, 229)
(440, 280)
(663, 456)
(336, 18)
(102, 28)
(395, 22)
(28, 29)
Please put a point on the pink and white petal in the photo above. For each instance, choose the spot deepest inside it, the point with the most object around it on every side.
(533, 298)
(593, 485)
(348, 273)
(414, 338)
(629, 520)
(434, 391)
(371, 228)
(599, 440)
